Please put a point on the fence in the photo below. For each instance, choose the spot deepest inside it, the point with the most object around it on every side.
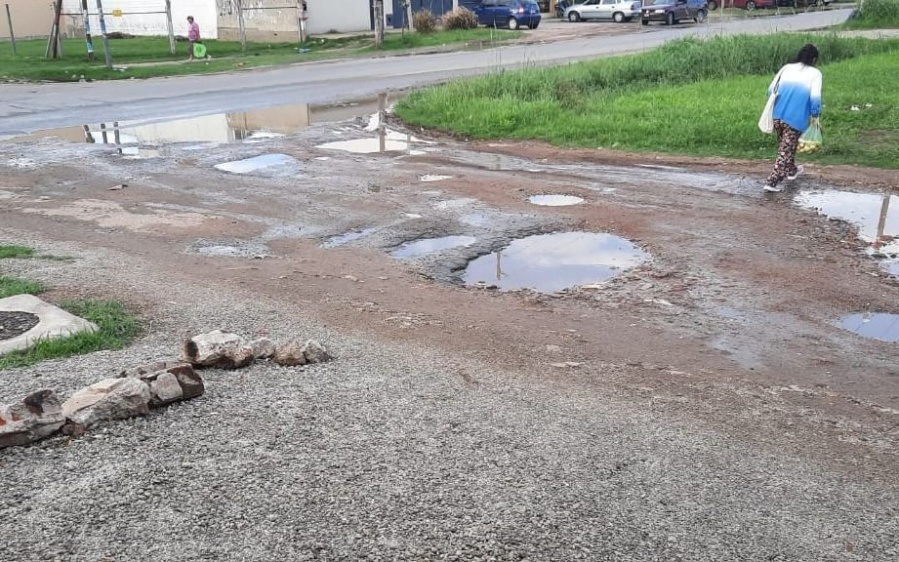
(267, 18)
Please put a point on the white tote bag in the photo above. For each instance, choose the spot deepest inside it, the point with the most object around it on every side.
(766, 121)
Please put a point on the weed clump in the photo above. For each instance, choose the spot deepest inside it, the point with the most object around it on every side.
(424, 22)
(460, 18)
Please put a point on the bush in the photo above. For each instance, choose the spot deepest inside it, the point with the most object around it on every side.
(882, 13)
(424, 21)
(460, 18)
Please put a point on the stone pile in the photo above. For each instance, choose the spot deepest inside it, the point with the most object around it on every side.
(135, 391)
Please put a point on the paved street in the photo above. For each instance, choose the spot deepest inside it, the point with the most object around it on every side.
(27, 108)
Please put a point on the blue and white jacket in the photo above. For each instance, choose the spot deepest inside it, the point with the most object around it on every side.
(798, 94)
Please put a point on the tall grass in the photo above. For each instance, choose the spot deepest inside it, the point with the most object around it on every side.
(876, 14)
(12, 286)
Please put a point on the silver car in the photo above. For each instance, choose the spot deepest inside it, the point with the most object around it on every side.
(615, 10)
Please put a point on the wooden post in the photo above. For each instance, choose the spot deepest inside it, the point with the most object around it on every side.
(170, 25)
(882, 223)
(242, 25)
(379, 23)
(12, 34)
(108, 53)
(53, 42)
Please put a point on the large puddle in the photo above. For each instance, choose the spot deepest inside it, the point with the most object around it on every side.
(347, 237)
(250, 126)
(256, 164)
(385, 141)
(875, 216)
(420, 248)
(555, 200)
(552, 262)
(875, 325)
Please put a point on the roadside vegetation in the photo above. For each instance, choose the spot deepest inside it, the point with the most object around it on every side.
(117, 326)
(11, 286)
(875, 14)
(689, 97)
(147, 57)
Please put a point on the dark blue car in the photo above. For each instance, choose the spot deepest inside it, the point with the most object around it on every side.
(506, 13)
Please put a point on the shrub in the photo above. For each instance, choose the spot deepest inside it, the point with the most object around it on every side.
(424, 21)
(460, 18)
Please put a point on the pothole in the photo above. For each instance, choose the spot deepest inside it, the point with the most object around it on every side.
(234, 249)
(555, 200)
(876, 217)
(346, 238)
(255, 164)
(879, 326)
(548, 263)
(419, 248)
(15, 323)
(390, 141)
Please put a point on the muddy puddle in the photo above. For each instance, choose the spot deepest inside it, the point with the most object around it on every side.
(346, 238)
(384, 141)
(549, 263)
(876, 217)
(256, 164)
(555, 200)
(874, 325)
(421, 248)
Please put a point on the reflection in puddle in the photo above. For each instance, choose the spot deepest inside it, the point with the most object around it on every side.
(555, 200)
(388, 141)
(475, 219)
(875, 325)
(427, 246)
(256, 163)
(871, 214)
(340, 240)
(551, 262)
(430, 178)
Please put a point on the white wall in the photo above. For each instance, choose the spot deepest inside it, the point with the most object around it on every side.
(204, 11)
(341, 15)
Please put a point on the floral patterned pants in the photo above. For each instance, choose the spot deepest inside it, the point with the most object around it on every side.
(787, 142)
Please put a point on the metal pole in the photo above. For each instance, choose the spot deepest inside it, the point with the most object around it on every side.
(12, 34)
(171, 26)
(87, 30)
(105, 37)
(242, 25)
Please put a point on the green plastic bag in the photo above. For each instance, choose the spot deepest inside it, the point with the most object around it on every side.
(199, 51)
(812, 139)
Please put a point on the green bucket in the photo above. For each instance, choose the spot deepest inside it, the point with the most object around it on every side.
(199, 51)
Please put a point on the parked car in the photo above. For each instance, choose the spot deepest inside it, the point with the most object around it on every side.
(673, 11)
(760, 4)
(508, 13)
(615, 10)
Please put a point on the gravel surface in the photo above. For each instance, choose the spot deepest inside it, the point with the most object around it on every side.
(396, 453)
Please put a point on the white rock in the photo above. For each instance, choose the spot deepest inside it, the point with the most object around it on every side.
(35, 417)
(263, 348)
(163, 377)
(315, 352)
(109, 399)
(217, 349)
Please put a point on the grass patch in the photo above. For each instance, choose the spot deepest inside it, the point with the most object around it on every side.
(147, 57)
(875, 14)
(13, 251)
(689, 97)
(11, 286)
(117, 329)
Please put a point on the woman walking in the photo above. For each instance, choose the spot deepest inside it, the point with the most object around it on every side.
(798, 90)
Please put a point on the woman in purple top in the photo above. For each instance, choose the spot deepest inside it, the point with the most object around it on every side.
(193, 34)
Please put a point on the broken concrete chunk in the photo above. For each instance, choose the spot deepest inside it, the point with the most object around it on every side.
(163, 377)
(217, 349)
(315, 352)
(35, 417)
(109, 399)
(290, 353)
(263, 348)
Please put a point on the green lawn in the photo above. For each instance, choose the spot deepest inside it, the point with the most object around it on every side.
(706, 104)
(15, 251)
(146, 57)
(11, 286)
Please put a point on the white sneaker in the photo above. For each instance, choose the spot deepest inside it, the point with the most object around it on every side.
(772, 188)
(797, 173)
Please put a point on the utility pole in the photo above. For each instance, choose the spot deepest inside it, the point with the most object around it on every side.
(12, 34)
(105, 36)
(379, 23)
(53, 42)
(85, 11)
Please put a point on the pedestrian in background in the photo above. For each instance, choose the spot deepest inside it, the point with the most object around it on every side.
(798, 89)
(193, 35)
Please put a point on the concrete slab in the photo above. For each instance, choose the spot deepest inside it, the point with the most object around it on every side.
(54, 322)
